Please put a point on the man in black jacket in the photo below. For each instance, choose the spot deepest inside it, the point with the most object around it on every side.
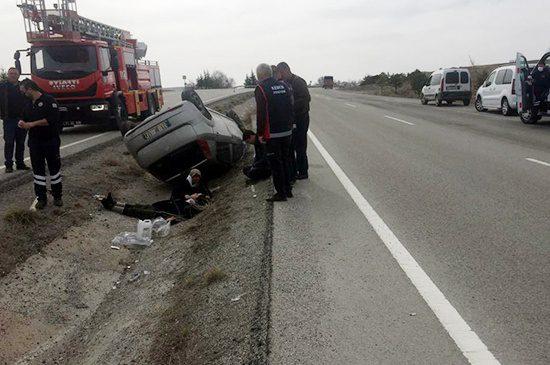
(301, 118)
(274, 128)
(41, 119)
(12, 102)
(189, 197)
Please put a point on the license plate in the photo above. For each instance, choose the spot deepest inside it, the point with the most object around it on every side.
(148, 134)
(72, 123)
(452, 87)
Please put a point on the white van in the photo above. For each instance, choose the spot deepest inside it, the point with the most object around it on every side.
(498, 91)
(449, 85)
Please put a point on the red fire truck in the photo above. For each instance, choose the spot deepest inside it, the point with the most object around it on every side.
(94, 70)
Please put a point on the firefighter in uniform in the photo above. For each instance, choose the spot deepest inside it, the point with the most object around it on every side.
(41, 119)
(274, 128)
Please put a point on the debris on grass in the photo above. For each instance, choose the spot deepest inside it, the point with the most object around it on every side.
(213, 275)
(20, 216)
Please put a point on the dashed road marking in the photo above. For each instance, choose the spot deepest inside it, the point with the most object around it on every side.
(351, 105)
(538, 161)
(465, 338)
(398, 120)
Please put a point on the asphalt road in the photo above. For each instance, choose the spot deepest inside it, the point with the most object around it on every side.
(80, 138)
(465, 193)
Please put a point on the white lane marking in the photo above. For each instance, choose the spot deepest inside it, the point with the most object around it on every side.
(353, 106)
(399, 120)
(538, 161)
(465, 338)
(69, 145)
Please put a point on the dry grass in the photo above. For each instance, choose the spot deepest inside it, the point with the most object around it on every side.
(213, 275)
(20, 216)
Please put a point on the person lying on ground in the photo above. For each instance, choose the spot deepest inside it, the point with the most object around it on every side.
(188, 198)
(259, 170)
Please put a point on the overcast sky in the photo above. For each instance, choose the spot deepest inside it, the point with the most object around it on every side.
(345, 38)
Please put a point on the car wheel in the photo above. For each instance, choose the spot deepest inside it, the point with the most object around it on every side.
(479, 104)
(438, 100)
(423, 100)
(466, 102)
(505, 107)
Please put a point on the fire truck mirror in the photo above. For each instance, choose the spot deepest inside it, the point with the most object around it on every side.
(114, 63)
(17, 56)
(18, 66)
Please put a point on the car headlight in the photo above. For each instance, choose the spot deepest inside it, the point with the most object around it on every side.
(99, 107)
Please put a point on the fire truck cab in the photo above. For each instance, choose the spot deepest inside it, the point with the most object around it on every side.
(92, 69)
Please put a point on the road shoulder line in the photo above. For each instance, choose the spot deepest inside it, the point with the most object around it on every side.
(398, 120)
(471, 346)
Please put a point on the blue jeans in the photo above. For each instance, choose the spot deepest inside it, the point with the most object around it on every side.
(14, 138)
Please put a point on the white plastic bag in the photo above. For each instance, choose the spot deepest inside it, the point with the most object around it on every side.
(161, 227)
(130, 239)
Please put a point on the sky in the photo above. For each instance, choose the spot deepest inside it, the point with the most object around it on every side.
(347, 38)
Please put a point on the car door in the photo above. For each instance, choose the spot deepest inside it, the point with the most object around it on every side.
(489, 91)
(522, 72)
(426, 88)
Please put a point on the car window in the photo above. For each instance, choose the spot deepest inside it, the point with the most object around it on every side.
(499, 80)
(452, 77)
(491, 78)
(105, 58)
(464, 77)
(436, 79)
(508, 77)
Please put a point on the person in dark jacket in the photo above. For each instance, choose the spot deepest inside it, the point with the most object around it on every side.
(302, 99)
(12, 102)
(274, 128)
(259, 170)
(189, 197)
(41, 119)
(541, 82)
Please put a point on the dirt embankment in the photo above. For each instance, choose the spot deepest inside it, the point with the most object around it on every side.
(195, 297)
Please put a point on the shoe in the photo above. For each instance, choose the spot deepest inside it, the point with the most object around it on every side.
(276, 198)
(289, 195)
(23, 167)
(302, 177)
(9, 169)
(108, 202)
(58, 202)
(41, 204)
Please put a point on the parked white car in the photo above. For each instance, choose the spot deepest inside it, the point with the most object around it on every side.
(449, 85)
(498, 91)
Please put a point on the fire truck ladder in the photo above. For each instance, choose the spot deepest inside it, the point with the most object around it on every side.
(63, 22)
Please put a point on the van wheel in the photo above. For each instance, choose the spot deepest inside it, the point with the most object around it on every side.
(505, 107)
(438, 100)
(527, 117)
(423, 100)
(479, 104)
(466, 102)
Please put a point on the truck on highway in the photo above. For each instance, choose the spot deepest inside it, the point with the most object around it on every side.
(328, 82)
(94, 70)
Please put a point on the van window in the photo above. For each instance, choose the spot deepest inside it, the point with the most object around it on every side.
(499, 80)
(491, 78)
(452, 77)
(464, 78)
(508, 77)
(436, 79)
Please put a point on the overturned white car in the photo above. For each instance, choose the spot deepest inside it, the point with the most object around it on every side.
(171, 143)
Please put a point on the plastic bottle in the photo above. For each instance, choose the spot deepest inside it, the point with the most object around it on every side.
(145, 229)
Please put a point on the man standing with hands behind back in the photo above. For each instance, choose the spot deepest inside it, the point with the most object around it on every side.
(41, 118)
(301, 118)
(12, 102)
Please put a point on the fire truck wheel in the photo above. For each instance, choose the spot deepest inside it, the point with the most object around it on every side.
(119, 115)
